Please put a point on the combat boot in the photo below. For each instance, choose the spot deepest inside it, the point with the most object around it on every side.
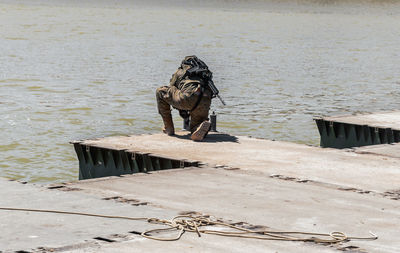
(201, 131)
(168, 125)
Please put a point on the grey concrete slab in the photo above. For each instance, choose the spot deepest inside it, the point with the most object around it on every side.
(388, 150)
(46, 232)
(207, 243)
(253, 197)
(378, 119)
(339, 167)
(27, 230)
(281, 185)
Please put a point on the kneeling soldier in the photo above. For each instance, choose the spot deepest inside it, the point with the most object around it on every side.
(189, 92)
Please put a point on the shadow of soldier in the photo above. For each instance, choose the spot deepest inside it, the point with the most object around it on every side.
(212, 137)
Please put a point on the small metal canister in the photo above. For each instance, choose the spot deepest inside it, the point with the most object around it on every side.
(213, 121)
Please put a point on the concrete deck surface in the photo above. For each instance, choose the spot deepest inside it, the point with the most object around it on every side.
(339, 167)
(39, 232)
(283, 186)
(378, 119)
(253, 197)
(386, 150)
(30, 231)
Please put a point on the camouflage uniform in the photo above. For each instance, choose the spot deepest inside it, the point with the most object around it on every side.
(183, 94)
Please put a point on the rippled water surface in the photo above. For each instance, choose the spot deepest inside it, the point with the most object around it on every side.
(89, 70)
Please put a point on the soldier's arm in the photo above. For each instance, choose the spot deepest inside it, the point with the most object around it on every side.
(175, 77)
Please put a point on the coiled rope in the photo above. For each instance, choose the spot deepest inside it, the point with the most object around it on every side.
(197, 224)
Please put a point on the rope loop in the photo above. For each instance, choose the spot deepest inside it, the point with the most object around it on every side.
(201, 225)
(339, 236)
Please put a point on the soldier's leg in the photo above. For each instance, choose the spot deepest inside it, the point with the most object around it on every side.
(168, 96)
(199, 124)
(164, 109)
(200, 113)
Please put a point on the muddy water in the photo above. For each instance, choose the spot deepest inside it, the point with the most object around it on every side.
(72, 71)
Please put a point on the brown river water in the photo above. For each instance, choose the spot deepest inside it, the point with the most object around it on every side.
(74, 70)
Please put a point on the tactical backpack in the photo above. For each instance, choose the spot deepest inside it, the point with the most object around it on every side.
(198, 70)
